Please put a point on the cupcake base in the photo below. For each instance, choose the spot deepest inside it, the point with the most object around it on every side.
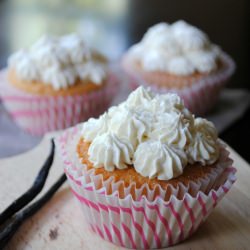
(140, 223)
(38, 114)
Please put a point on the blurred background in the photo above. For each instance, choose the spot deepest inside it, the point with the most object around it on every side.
(114, 25)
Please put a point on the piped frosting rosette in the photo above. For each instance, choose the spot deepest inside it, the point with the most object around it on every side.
(142, 217)
(179, 58)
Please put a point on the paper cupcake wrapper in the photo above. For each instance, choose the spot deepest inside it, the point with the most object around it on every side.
(40, 114)
(200, 95)
(141, 222)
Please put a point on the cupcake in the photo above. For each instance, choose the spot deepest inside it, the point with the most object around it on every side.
(57, 83)
(179, 58)
(147, 172)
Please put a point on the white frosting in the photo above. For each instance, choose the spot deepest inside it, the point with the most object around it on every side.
(155, 159)
(154, 60)
(156, 31)
(203, 61)
(204, 147)
(76, 48)
(180, 49)
(172, 128)
(189, 37)
(58, 62)
(154, 133)
(139, 97)
(95, 127)
(130, 124)
(110, 151)
(180, 65)
(26, 68)
(166, 103)
(92, 71)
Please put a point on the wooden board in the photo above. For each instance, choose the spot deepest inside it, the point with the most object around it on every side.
(60, 223)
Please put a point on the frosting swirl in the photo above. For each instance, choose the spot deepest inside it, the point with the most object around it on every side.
(95, 127)
(156, 31)
(59, 62)
(110, 151)
(204, 147)
(139, 97)
(203, 61)
(76, 49)
(131, 125)
(180, 66)
(171, 128)
(156, 159)
(179, 49)
(166, 103)
(155, 134)
(25, 67)
(189, 37)
(92, 71)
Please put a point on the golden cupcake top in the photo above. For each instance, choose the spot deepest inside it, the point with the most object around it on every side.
(155, 134)
(178, 48)
(59, 62)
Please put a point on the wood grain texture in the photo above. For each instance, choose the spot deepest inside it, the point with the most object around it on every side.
(60, 224)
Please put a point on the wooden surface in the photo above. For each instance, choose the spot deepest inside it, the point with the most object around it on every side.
(60, 223)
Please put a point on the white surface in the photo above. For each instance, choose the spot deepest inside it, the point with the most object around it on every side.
(231, 106)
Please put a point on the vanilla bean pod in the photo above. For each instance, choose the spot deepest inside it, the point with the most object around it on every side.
(32, 192)
(10, 229)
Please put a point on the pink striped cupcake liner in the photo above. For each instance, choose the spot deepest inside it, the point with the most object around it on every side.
(40, 114)
(203, 93)
(142, 222)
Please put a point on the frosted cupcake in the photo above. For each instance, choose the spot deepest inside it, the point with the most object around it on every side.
(147, 172)
(179, 58)
(56, 83)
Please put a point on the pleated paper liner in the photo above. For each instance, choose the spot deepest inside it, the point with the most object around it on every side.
(40, 114)
(200, 93)
(142, 221)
